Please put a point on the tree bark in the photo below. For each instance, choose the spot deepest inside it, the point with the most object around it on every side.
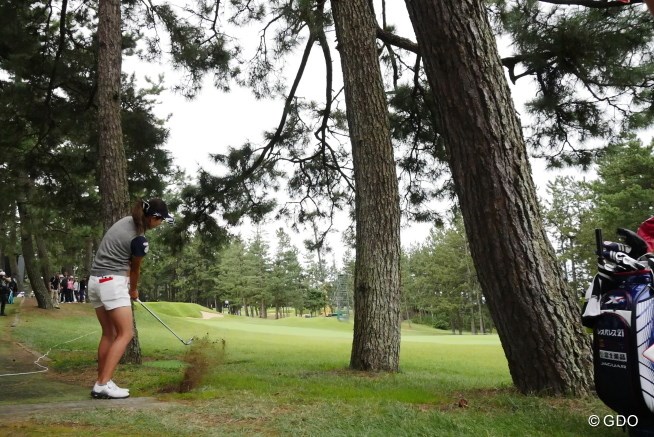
(13, 255)
(41, 292)
(88, 256)
(44, 259)
(537, 320)
(133, 354)
(376, 344)
(112, 159)
(112, 165)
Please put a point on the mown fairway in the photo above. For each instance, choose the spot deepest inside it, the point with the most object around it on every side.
(290, 377)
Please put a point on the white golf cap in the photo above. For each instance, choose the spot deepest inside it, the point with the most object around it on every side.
(2, 273)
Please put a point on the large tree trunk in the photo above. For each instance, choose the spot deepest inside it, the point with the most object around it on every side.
(112, 161)
(263, 311)
(537, 320)
(376, 344)
(44, 264)
(13, 254)
(88, 256)
(41, 292)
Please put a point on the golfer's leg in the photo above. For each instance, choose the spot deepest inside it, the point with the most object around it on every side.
(121, 319)
(107, 338)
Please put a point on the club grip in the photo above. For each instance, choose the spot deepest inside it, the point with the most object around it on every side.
(599, 240)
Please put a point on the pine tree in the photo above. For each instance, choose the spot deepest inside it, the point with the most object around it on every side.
(516, 263)
(376, 344)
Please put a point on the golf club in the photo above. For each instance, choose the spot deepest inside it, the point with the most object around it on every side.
(167, 327)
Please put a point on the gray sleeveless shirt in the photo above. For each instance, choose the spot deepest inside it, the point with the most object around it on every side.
(116, 249)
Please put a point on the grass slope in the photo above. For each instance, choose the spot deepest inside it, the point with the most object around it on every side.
(290, 377)
(177, 309)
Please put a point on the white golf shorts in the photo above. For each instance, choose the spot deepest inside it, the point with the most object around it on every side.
(111, 292)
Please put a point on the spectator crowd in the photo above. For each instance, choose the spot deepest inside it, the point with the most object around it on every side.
(8, 290)
(65, 288)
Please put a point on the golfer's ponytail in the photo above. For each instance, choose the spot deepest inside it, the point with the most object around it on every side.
(138, 214)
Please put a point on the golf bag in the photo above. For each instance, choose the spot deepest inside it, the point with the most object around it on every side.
(620, 310)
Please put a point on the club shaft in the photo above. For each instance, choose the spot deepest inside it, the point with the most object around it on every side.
(162, 322)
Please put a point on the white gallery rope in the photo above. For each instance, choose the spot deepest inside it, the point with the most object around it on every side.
(44, 368)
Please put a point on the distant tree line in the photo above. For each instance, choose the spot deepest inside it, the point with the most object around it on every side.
(621, 196)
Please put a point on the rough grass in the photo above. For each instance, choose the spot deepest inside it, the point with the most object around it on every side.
(290, 377)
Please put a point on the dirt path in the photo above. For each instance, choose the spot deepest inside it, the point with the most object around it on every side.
(25, 410)
(33, 393)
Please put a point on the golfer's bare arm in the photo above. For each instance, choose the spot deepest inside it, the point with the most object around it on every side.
(134, 275)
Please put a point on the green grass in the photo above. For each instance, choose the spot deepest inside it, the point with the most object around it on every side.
(177, 310)
(290, 377)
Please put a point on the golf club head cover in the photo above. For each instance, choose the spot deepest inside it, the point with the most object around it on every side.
(623, 259)
(616, 247)
(649, 259)
(633, 240)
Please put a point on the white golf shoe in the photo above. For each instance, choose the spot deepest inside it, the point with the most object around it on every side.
(113, 384)
(109, 391)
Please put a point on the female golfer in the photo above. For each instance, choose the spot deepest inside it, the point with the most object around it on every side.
(113, 282)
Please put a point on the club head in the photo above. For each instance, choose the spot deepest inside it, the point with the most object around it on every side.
(190, 340)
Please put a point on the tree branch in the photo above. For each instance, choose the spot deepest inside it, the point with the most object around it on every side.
(601, 4)
(397, 41)
(268, 148)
